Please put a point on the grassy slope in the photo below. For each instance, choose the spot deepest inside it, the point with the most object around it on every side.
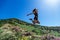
(26, 26)
(6, 31)
(39, 30)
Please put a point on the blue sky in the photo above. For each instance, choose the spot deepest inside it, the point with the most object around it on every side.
(49, 10)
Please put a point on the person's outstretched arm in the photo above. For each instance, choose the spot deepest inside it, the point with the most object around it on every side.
(29, 14)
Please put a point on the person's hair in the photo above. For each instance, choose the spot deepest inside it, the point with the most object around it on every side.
(34, 9)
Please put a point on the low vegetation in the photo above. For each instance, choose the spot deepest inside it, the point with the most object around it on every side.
(15, 29)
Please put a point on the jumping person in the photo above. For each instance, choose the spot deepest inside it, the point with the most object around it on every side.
(35, 12)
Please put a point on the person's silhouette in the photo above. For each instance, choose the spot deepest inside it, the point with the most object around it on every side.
(35, 12)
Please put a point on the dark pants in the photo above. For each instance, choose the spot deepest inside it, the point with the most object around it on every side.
(36, 18)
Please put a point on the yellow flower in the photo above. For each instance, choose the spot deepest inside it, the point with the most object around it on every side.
(25, 38)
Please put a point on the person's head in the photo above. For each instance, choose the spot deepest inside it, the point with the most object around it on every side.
(35, 10)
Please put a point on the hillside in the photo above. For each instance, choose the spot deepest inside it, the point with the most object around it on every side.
(12, 21)
(15, 29)
(20, 23)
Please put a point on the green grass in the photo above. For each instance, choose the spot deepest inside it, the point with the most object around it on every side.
(6, 34)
